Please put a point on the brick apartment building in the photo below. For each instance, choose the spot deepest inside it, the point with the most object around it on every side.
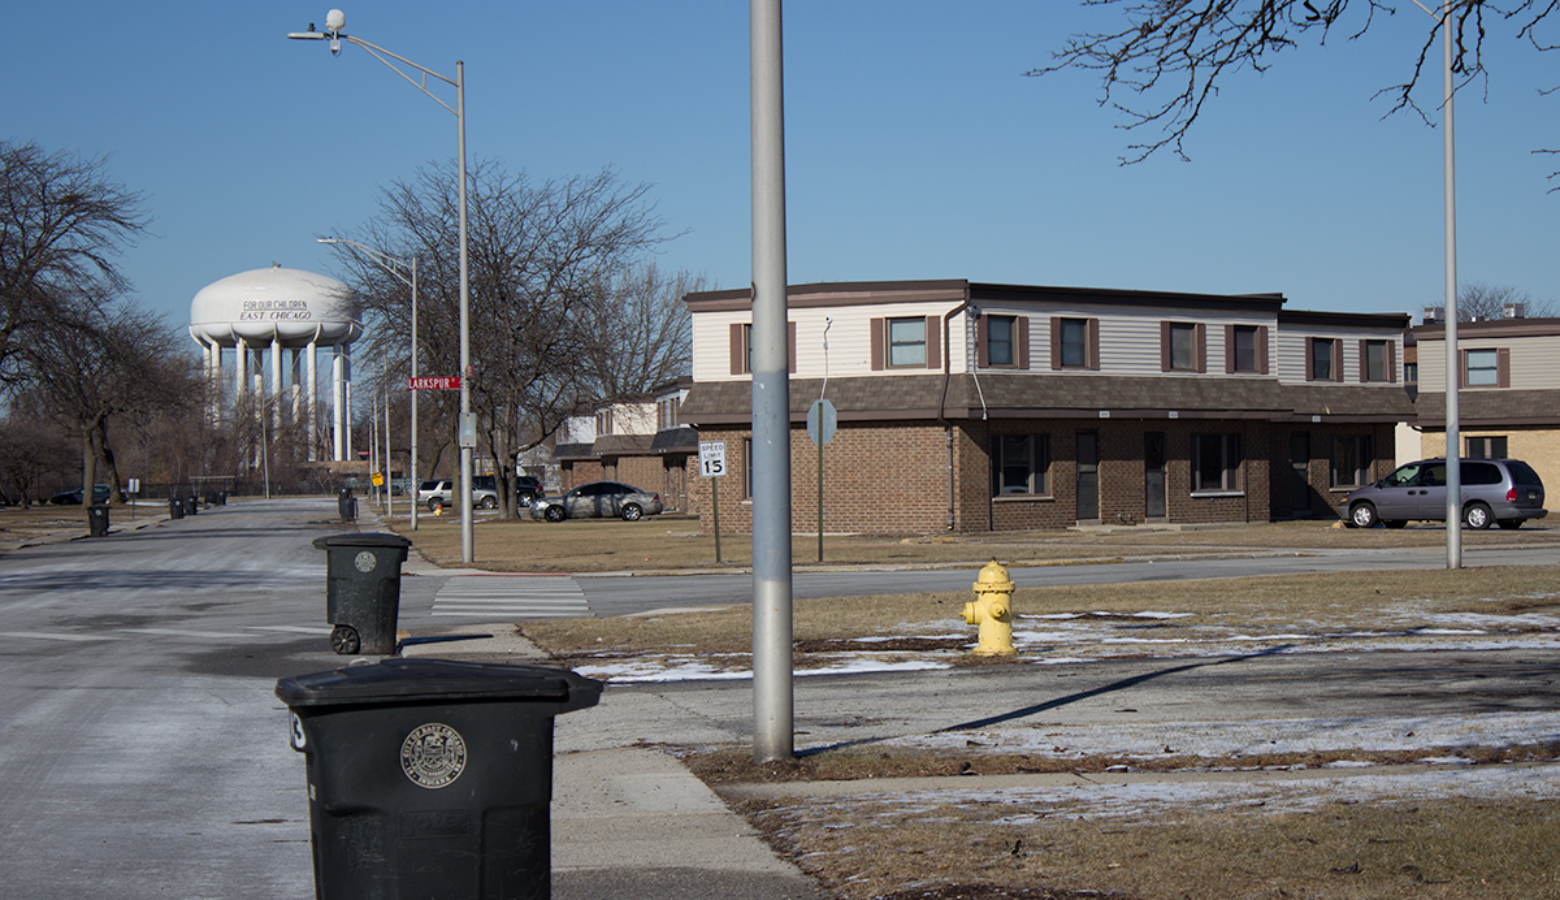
(641, 442)
(971, 407)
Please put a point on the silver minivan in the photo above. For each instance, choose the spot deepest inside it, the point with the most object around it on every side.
(1504, 491)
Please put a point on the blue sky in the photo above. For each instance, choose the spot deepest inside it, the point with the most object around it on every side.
(915, 146)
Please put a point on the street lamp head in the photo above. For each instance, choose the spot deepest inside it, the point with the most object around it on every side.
(335, 20)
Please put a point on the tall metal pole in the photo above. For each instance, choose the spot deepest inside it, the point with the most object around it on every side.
(1453, 363)
(411, 466)
(773, 732)
(334, 22)
(468, 426)
(389, 464)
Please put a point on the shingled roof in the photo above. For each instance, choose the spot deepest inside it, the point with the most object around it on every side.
(1029, 395)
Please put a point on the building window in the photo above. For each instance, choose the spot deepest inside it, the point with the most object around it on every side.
(1183, 350)
(1351, 461)
(1483, 369)
(1376, 362)
(1215, 462)
(742, 348)
(1411, 372)
(1493, 447)
(1246, 352)
(604, 422)
(1019, 464)
(907, 342)
(999, 340)
(1322, 362)
(667, 413)
(1075, 343)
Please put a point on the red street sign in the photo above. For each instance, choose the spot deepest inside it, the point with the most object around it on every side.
(434, 383)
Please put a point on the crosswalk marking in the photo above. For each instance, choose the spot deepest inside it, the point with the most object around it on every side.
(511, 596)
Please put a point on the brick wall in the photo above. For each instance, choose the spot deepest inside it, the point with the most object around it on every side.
(892, 478)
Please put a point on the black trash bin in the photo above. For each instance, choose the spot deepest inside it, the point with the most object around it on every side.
(175, 508)
(363, 590)
(346, 505)
(430, 778)
(191, 505)
(97, 519)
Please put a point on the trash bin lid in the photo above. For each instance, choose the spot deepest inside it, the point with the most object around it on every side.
(397, 681)
(369, 539)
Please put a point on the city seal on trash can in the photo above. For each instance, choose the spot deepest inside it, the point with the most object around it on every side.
(365, 561)
(433, 755)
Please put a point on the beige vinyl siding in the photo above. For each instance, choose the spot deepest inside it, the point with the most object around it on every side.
(1288, 349)
(1535, 362)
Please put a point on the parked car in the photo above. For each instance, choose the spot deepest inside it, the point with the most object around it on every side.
(1504, 491)
(599, 499)
(528, 488)
(73, 498)
(440, 492)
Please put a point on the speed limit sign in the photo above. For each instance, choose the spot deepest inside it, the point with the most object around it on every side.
(712, 458)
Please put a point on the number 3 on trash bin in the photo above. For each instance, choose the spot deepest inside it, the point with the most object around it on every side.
(298, 740)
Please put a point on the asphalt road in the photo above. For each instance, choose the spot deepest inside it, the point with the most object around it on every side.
(145, 755)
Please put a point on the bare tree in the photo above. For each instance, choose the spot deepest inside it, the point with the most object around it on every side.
(32, 445)
(1163, 63)
(539, 252)
(62, 222)
(643, 332)
(97, 362)
(1477, 300)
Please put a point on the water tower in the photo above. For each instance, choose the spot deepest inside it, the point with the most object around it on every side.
(282, 310)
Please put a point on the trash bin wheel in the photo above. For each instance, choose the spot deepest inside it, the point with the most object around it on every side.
(344, 640)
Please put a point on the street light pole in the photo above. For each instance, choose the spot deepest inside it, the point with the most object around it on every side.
(1453, 373)
(390, 264)
(335, 20)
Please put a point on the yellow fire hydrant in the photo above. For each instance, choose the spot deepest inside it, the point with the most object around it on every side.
(992, 611)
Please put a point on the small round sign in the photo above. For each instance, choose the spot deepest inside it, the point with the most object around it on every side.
(433, 755)
(364, 561)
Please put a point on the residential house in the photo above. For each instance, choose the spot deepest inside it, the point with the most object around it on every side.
(1508, 377)
(971, 407)
(641, 442)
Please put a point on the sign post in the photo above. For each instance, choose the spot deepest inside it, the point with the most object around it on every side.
(822, 422)
(712, 465)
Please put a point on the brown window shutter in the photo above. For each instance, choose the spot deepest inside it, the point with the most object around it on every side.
(1166, 358)
(1337, 346)
(878, 328)
(1262, 349)
(1462, 368)
(1200, 339)
(738, 351)
(1392, 361)
(1056, 343)
(1021, 342)
(1229, 349)
(982, 355)
(790, 347)
(934, 342)
(1503, 367)
(1093, 359)
(1310, 359)
(1364, 360)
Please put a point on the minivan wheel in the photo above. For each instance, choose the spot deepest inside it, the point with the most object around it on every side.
(1477, 516)
(1363, 515)
(1511, 524)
